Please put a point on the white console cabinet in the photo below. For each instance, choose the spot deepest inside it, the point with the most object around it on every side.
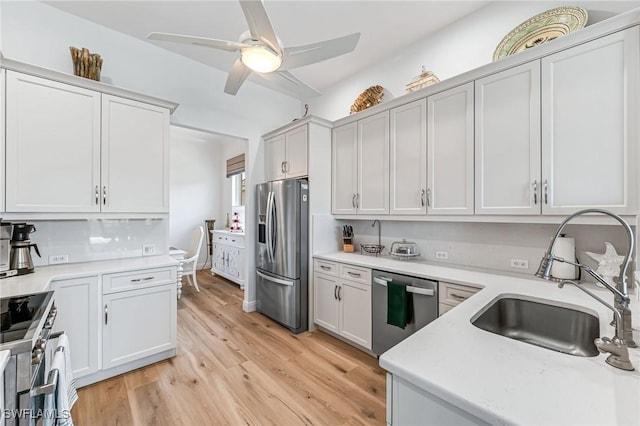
(229, 256)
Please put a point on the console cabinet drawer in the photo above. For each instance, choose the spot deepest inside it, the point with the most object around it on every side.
(142, 278)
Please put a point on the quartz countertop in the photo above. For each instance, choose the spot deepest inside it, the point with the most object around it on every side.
(504, 381)
(42, 277)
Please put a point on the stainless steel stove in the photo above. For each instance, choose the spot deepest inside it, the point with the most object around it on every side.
(25, 328)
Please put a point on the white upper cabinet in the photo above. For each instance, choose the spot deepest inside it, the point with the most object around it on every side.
(274, 154)
(344, 169)
(52, 146)
(72, 150)
(507, 141)
(286, 154)
(590, 126)
(135, 156)
(373, 164)
(450, 151)
(408, 159)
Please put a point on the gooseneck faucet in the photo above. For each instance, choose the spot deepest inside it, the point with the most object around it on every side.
(379, 225)
(622, 321)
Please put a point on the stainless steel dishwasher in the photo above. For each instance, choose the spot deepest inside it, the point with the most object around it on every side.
(423, 308)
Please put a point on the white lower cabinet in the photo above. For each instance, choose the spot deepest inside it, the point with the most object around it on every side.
(229, 256)
(407, 404)
(126, 320)
(343, 305)
(137, 324)
(451, 295)
(78, 304)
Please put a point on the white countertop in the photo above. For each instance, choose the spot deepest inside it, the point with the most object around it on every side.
(500, 380)
(228, 232)
(42, 277)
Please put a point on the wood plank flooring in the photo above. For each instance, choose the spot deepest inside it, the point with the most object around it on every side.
(235, 368)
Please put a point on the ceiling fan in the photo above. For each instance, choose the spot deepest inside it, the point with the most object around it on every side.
(261, 51)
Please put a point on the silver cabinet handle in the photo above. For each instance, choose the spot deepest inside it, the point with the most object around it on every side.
(456, 296)
(546, 192)
(104, 195)
(357, 200)
(106, 314)
(428, 197)
(97, 195)
(335, 292)
(353, 274)
(325, 268)
(142, 279)
(286, 167)
(422, 197)
(535, 192)
(282, 167)
(339, 292)
(353, 201)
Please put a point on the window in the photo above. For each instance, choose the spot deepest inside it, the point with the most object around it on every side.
(238, 183)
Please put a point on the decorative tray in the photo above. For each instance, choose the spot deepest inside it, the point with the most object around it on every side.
(371, 248)
(540, 29)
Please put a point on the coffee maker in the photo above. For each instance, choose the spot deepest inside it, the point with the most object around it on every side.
(21, 245)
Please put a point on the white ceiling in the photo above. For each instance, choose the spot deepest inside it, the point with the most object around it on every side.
(385, 27)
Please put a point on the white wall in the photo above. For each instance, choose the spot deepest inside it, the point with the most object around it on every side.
(40, 34)
(462, 46)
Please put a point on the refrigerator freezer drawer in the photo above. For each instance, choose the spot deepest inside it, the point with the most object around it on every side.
(281, 299)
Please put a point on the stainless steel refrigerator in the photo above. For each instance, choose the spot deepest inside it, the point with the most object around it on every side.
(281, 252)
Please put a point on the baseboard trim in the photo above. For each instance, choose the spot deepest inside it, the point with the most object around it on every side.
(249, 306)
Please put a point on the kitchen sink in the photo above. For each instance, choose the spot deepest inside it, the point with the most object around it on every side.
(537, 322)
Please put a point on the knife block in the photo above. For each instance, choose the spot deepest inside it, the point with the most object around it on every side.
(348, 248)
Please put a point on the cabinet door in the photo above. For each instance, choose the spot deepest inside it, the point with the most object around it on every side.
(408, 157)
(137, 324)
(508, 141)
(78, 304)
(326, 301)
(232, 262)
(275, 154)
(135, 156)
(3, 79)
(373, 165)
(219, 258)
(296, 152)
(590, 125)
(344, 169)
(355, 312)
(450, 151)
(52, 146)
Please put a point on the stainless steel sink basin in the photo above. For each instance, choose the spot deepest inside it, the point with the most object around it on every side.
(539, 323)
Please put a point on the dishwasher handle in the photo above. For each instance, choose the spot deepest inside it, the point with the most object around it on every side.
(410, 289)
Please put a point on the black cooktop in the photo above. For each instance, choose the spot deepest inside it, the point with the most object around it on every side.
(20, 314)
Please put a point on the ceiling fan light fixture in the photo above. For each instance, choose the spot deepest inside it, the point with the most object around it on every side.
(260, 59)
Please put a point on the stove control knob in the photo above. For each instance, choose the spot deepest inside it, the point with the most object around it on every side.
(41, 344)
(36, 357)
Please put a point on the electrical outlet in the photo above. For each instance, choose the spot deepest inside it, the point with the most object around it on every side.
(148, 249)
(442, 255)
(520, 263)
(58, 258)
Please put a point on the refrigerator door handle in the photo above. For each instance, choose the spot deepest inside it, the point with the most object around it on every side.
(275, 280)
(269, 225)
(273, 235)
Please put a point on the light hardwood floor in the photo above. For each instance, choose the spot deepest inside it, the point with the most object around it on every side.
(235, 368)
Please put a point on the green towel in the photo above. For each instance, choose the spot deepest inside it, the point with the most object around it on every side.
(397, 304)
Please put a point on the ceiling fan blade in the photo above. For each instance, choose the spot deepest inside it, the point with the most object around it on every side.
(238, 74)
(231, 46)
(259, 24)
(299, 56)
(289, 82)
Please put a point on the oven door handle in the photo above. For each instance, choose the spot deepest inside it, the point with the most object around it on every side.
(410, 289)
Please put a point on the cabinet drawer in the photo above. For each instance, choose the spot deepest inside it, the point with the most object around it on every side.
(355, 273)
(454, 294)
(325, 267)
(235, 241)
(142, 278)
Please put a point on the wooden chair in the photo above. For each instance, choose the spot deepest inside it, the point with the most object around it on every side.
(190, 263)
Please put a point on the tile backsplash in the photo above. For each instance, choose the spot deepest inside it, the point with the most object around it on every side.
(98, 239)
(486, 245)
